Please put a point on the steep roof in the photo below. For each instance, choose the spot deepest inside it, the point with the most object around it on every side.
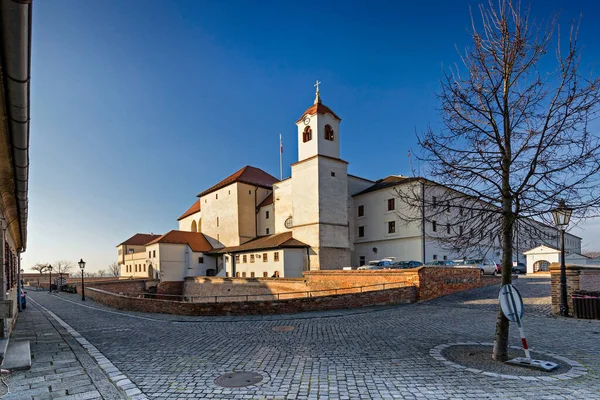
(278, 241)
(195, 240)
(389, 181)
(318, 108)
(268, 200)
(192, 210)
(248, 174)
(139, 239)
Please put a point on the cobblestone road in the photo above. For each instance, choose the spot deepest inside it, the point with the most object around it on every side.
(380, 353)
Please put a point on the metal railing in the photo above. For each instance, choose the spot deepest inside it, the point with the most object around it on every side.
(268, 296)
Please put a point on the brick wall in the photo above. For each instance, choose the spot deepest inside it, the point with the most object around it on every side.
(323, 280)
(211, 286)
(436, 282)
(170, 288)
(579, 277)
(381, 297)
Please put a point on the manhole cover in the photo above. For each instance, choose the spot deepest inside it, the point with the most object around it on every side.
(238, 379)
(283, 328)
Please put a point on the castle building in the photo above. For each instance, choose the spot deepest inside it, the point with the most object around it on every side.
(252, 224)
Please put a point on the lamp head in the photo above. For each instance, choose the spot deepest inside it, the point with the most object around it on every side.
(81, 264)
(562, 215)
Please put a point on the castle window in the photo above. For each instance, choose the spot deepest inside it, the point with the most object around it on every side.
(267, 231)
(362, 261)
(391, 204)
(265, 257)
(153, 253)
(332, 173)
(434, 226)
(361, 231)
(265, 274)
(392, 227)
(237, 258)
(217, 222)
(276, 256)
(244, 259)
(328, 132)
(201, 260)
(251, 258)
(361, 211)
(243, 274)
(251, 274)
(307, 134)
(266, 214)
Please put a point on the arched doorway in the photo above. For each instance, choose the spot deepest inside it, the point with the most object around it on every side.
(150, 271)
(194, 226)
(541, 266)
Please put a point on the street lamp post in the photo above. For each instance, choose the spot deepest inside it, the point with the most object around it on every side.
(82, 267)
(562, 216)
(50, 286)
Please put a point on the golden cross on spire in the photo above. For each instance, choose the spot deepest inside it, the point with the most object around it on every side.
(317, 85)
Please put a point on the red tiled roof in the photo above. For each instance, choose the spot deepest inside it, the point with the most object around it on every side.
(192, 210)
(195, 240)
(139, 239)
(318, 108)
(277, 241)
(268, 200)
(250, 175)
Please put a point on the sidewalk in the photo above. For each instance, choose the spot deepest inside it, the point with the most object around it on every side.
(61, 368)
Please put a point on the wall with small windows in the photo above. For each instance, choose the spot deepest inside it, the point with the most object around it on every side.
(278, 263)
(220, 215)
(266, 220)
(282, 204)
(249, 197)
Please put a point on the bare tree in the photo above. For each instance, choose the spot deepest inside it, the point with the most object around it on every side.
(114, 269)
(515, 137)
(40, 268)
(62, 266)
(102, 273)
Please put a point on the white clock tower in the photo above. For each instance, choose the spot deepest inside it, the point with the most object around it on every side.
(320, 189)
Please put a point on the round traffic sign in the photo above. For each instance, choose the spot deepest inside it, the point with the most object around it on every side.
(511, 303)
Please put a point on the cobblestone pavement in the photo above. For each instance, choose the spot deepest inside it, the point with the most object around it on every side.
(375, 353)
(61, 368)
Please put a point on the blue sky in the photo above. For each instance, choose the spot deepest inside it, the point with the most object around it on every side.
(138, 106)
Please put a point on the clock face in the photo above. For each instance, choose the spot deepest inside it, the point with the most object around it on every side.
(289, 223)
(306, 121)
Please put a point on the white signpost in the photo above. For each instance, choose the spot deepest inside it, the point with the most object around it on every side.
(511, 304)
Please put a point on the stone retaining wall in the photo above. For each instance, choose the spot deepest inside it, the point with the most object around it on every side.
(381, 297)
(579, 277)
(212, 286)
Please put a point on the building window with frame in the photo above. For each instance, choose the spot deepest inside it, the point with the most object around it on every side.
(217, 222)
(267, 231)
(392, 227)
(153, 253)
(265, 274)
(237, 258)
(149, 254)
(307, 134)
(460, 230)
(434, 201)
(445, 258)
(243, 274)
(391, 204)
(361, 261)
(267, 214)
(276, 256)
(251, 274)
(328, 132)
(361, 211)
(251, 258)
(200, 260)
(144, 267)
(434, 226)
(332, 173)
(447, 228)
(244, 259)
(361, 231)
(435, 256)
(237, 274)
(265, 257)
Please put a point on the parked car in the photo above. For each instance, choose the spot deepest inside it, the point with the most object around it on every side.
(377, 264)
(440, 263)
(498, 269)
(485, 266)
(23, 299)
(519, 268)
(406, 264)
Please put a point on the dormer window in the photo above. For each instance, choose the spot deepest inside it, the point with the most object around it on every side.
(328, 132)
(307, 134)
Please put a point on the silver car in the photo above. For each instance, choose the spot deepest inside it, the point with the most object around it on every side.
(486, 266)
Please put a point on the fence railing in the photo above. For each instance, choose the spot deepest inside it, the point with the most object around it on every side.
(268, 296)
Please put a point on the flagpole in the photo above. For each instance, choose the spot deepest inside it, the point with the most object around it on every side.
(280, 158)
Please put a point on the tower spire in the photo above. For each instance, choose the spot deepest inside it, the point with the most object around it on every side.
(318, 96)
